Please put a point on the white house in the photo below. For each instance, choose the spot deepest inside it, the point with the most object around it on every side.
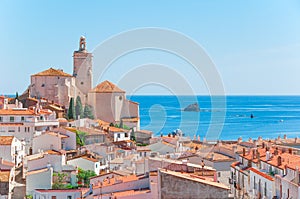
(55, 159)
(25, 123)
(39, 179)
(119, 134)
(86, 163)
(56, 193)
(48, 141)
(12, 149)
(68, 143)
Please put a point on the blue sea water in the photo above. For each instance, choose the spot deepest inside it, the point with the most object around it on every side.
(273, 116)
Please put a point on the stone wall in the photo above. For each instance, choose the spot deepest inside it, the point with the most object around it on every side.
(172, 187)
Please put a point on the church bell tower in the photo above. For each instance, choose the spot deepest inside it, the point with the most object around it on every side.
(82, 69)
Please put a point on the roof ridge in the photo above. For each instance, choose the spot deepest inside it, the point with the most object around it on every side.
(107, 87)
(52, 72)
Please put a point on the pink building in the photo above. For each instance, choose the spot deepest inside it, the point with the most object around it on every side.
(110, 104)
(54, 85)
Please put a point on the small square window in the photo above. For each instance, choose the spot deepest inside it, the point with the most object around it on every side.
(11, 119)
(22, 118)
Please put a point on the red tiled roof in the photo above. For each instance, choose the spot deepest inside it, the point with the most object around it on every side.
(11, 124)
(52, 152)
(235, 164)
(58, 190)
(53, 72)
(4, 176)
(261, 174)
(107, 87)
(16, 112)
(6, 140)
(90, 159)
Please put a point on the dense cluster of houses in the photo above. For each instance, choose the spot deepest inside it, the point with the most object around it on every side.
(45, 156)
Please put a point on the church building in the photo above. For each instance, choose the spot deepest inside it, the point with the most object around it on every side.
(108, 101)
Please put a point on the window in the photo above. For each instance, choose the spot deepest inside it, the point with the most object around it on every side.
(22, 118)
(41, 117)
(43, 85)
(119, 135)
(11, 119)
(126, 135)
(69, 197)
(1, 119)
(53, 197)
(265, 188)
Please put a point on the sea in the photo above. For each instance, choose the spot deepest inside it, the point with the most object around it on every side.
(273, 116)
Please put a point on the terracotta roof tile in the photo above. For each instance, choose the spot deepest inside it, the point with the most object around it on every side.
(107, 87)
(57, 190)
(53, 152)
(90, 159)
(6, 140)
(261, 174)
(16, 112)
(37, 171)
(4, 176)
(53, 72)
(57, 134)
(11, 124)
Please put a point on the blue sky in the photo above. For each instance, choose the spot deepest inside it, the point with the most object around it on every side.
(255, 45)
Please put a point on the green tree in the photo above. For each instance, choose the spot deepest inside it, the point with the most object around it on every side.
(84, 176)
(132, 137)
(80, 138)
(78, 108)
(17, 96)
(59, 179)
(71, 110)
(88, 113)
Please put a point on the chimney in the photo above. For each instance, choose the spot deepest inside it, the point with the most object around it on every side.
(267, 156)
(278, 138)
(253, 154)
(263, 145)
(234, 148)
(296, 139)
(297, 176)
(279, 161)
(239, 140)
(259, 139)
(284, 136)
(1, 160)
(276, 151)
(255, 143)
(244, 151)
(250, 140)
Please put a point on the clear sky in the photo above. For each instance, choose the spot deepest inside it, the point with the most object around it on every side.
(254, 44)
